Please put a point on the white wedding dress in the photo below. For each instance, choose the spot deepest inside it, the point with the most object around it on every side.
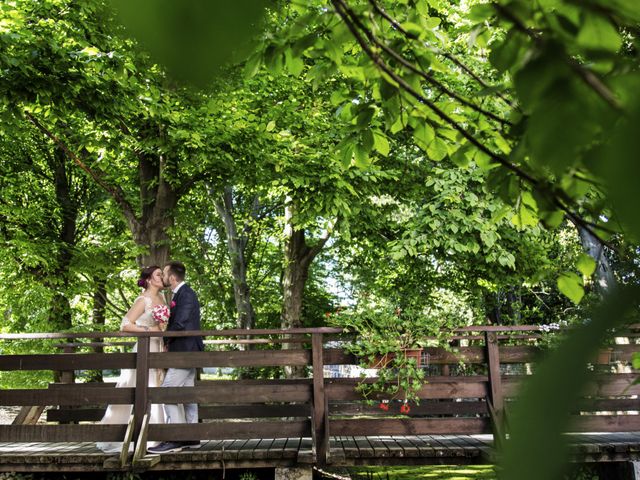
(119, 414)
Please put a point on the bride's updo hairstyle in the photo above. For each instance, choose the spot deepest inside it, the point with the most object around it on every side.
(145, 275)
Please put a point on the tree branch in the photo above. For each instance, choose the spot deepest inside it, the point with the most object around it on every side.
(353, 24)
(115, 191)
(449, 56)
(586, 75)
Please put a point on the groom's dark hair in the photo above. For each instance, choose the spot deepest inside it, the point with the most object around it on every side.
(177, 269)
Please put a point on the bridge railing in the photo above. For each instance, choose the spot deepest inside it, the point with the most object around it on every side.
(469, 386)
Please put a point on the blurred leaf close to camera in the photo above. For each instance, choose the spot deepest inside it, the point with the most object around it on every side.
(538, 446)
(193, 39)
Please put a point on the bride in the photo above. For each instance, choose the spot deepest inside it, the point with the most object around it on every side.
(139, 319)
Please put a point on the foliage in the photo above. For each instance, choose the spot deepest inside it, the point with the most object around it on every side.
(382, 337)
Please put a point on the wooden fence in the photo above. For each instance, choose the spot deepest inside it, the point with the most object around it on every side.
(469, 386)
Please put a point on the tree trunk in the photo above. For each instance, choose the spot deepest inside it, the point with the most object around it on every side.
(99, 314)
(236, 246)
(298, 257)
(158, 200)
(60, 317)
(604, 279)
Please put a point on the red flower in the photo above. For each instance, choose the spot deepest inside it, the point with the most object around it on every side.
(328, 314)
(383, 406)
(405, 408)
(173, 303)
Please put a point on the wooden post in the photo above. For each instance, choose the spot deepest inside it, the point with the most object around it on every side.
(496, 399)
(141, 402)
(321, 439)
(68, 376)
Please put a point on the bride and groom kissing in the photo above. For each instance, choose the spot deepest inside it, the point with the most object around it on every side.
(144, 317)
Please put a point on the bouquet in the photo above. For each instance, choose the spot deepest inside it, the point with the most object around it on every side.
(161, 315)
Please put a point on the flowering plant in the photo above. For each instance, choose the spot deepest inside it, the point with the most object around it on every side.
(391, 341)
(161, 315)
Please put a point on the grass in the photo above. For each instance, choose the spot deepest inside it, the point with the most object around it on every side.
(440, 472)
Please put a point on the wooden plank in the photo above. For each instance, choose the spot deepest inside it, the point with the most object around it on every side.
(65, 415)
(28, 415)
(395, 450)
(364, 447)
(234, 430)
(495, 385)
(141, 441)
(409, 449)
(128, 437)
(262, 449)
(349, 447)
(441, 356)
(231, 392)
(605, 423)
(380, 450)
(319, 401)
(426, 407)
(62, 433)
(276, 448)
(437, 387)
(68, 361)
(233, 449)
(254, 411)
(601, 385)
(608, 405)
(291, 447)
(248, 450)
(141, 401)
(230, 358)
(410, 426)
(74, 396)
(305, 453)
(424, 447)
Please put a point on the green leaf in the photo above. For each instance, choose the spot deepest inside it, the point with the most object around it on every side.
(192, 38)
(380, 143)
(481, 12)
(437, 149)
(270, 126)
(460, 158)
(636, 360)
(362, 157)
(586, 264)
(252, 65)
(424, 135)
(504, 55)
(570, 285)
(294, 64)
(598, 33)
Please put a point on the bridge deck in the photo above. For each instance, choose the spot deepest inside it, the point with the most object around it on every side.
(344, 451)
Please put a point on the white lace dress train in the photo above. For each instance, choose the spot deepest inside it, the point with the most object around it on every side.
(119, 414)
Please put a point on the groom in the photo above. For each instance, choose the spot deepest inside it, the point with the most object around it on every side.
(185, 315)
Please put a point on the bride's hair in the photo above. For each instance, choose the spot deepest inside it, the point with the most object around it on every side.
(145, 275)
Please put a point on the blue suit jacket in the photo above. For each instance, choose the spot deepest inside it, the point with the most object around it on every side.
(185, 315)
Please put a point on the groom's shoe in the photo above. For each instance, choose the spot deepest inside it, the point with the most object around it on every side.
(166, 447)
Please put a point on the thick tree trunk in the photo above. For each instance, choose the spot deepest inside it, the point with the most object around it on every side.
(604, 279)
(298, 257)
(60, 317)
(236, 246)
(158, 200)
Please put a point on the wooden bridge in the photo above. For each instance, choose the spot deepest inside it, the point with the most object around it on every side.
(318, 420)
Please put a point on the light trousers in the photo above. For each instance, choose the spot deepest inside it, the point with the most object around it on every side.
(187, 413)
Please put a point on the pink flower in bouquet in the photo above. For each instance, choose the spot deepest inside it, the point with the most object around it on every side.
(161, 315)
